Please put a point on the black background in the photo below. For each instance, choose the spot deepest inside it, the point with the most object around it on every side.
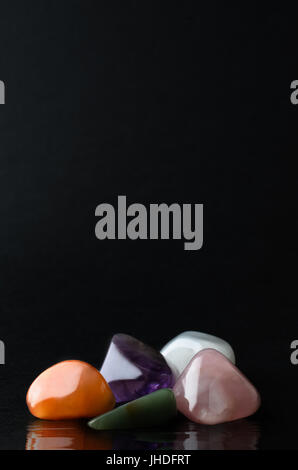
(184, 102)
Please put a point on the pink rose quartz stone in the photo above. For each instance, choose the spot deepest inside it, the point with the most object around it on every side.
(211, 390)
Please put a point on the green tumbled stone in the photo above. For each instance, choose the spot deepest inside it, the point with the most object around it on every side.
(151, 410)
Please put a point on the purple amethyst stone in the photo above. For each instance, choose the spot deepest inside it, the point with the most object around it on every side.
(133, 369)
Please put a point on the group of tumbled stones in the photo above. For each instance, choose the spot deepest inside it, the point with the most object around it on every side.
(194, 373)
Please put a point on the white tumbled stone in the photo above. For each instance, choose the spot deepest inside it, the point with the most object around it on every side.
(180, 350)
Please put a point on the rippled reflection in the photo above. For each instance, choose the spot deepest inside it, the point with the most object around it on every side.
(65, 435)
(75, 435)
(238, 435)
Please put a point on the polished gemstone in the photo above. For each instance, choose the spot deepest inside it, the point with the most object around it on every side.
(68, 390)
(133, 369)
(154, 409)
(181, 349)
(211, 390)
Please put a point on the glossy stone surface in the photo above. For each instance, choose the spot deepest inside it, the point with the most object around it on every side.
(154, 409)
(211, 390)
(69, 390)
(180, 350)
(133, 369)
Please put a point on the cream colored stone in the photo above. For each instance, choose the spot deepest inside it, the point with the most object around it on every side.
(180, 350)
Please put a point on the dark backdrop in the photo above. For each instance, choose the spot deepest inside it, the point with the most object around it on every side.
(186, 103)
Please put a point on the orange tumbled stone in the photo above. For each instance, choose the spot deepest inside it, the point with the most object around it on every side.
(69, 390)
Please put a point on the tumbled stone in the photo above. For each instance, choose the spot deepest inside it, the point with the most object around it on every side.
(69, 390)
(154, 409)
(180, 350)
(211, 390)
(133, 369)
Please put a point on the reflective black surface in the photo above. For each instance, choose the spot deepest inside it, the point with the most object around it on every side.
(241, 435)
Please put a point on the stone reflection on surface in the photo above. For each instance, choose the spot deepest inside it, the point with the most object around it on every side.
(239, 435)
(183, 435)
(65, 435)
